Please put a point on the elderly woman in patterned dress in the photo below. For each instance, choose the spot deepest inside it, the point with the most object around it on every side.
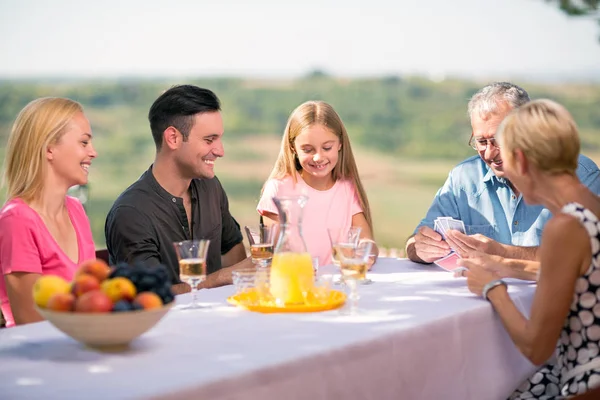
(540, 145)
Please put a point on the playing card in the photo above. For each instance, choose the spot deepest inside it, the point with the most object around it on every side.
(449, 262)
(457, 225)
(444, 225)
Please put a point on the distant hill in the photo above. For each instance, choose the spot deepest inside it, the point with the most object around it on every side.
(407, 134)
(413, 117)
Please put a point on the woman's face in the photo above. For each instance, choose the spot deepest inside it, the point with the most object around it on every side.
(71, 157)
(517, 175)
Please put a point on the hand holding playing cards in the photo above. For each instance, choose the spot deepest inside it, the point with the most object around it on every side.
(430, 245)
(469, 246)
(477, 276)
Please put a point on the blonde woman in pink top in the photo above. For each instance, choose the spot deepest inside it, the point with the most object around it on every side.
(316, 160)
(42, 230)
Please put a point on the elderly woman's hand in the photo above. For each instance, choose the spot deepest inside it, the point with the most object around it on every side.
(477, 274)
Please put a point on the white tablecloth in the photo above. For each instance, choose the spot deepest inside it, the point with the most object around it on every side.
(424, 336)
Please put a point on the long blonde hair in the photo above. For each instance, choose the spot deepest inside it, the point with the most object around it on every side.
(40, 124)
(303, 117)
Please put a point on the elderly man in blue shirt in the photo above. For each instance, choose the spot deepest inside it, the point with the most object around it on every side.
(497, 220)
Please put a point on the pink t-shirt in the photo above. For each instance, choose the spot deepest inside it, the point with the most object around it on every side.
(26, 245)
(324, 209)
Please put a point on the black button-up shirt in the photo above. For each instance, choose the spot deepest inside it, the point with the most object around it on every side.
(145, 220)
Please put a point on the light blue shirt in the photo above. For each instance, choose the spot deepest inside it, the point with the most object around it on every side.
(487, 205)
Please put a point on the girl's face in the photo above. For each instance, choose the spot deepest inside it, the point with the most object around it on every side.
(318, 150)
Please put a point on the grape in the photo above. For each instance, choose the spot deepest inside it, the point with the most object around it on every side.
(121, 306)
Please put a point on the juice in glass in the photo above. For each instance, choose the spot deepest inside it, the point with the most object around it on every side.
(291, 274)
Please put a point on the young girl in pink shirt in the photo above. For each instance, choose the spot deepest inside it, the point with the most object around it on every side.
(42, 230)
(316, 160)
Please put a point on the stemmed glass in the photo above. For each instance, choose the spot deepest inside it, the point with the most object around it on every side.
(261, 239)
(192, 266)
(343, 240)
(353, 268)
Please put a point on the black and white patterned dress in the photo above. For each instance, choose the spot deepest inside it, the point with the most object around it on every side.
(577, 365)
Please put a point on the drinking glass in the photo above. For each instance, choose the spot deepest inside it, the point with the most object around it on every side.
(343, 240)
(192, 266)
(261, 239)
(353, 268)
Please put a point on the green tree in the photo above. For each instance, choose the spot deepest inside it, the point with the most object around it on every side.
(578, 8)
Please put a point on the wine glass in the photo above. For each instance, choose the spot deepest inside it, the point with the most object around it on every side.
(353, 268)
(192, 266)
(343, 241)
(261, 239)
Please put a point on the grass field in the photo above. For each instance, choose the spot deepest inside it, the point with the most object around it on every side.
(399, 191)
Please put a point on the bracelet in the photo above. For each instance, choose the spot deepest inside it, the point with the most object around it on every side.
(489, 286)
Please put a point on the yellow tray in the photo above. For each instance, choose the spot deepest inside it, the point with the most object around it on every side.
(249, 301)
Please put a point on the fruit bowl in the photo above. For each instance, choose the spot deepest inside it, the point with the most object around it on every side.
(102, 330)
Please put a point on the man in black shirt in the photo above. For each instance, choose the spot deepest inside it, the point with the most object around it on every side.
(179, 197)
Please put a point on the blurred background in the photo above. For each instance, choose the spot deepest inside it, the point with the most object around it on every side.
(399, 72)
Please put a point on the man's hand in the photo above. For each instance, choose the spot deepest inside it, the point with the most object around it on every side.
(224, 276)
(429, 245)
(180, 288)
(469, 246)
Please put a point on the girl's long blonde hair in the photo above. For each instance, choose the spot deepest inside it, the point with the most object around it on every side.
(303, 117)
(40, 124)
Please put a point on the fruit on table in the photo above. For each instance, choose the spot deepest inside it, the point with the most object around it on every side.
(61, 302)
(97, 268)
(98, 288)
(148, 300)
(95, 301)
(146, 279)
(119, 288)
(85, 283)
(46, 286)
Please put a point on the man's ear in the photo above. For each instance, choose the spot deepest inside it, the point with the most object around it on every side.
(172, 138)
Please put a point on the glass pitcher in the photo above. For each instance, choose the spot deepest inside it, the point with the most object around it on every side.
(292, 275)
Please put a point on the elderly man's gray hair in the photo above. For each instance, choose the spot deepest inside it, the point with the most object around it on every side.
(489, 99)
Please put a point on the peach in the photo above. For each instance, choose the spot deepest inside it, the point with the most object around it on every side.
(148, 300)
(61, 302)
(85, 283)
(46, 286)
(97, 268)
(95, 301)
(119, 288)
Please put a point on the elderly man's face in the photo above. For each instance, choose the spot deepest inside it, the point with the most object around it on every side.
(484, 128)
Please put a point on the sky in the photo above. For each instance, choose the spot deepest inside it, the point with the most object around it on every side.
(281, 38)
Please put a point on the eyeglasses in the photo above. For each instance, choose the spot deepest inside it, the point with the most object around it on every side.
(481, 144)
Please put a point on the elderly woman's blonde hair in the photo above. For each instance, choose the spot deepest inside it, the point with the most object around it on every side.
(545, 132)
(40, 124)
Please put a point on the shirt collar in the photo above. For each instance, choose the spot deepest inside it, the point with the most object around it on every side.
(490, 176)
(151, 180)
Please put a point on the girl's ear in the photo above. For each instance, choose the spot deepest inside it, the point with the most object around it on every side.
(340, 146)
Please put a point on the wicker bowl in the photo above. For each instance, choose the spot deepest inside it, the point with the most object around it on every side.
(113, 329)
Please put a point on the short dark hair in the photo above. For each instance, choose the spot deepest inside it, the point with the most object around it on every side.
(177, 107)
